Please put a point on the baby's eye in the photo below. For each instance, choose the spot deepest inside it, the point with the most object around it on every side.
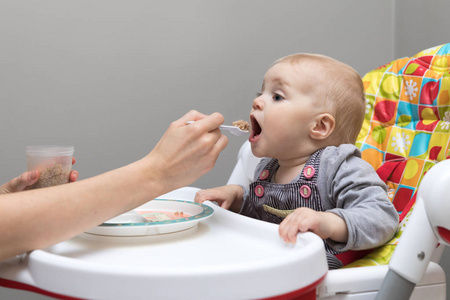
(277, 97)
(258, 95)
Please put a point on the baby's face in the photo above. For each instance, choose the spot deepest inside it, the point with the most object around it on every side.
(284, 112)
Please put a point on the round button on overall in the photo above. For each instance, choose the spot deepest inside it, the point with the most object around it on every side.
(309, 172)
(264, 174)
(259, 191)
(305, 191)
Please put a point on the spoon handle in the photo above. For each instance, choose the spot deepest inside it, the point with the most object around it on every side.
(233, 129)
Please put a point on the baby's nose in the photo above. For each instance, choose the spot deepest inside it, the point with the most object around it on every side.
(258, 103)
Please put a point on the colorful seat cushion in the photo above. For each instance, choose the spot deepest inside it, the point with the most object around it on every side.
(406, 129)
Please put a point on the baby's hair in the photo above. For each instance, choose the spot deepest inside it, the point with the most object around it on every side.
(341, 90)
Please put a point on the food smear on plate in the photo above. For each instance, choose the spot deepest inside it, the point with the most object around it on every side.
(242, 125)
(159, 216)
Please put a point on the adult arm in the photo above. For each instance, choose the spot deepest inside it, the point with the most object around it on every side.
(39, 218)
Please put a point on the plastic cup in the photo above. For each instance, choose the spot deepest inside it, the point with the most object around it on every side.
(53, 162)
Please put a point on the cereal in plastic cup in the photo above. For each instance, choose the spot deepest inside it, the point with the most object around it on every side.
(53, 162)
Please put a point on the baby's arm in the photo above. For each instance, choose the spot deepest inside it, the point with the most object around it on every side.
(325, 224)
(228, 196)
(350, 188)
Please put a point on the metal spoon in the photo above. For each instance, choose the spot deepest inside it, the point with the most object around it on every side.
(232, 129)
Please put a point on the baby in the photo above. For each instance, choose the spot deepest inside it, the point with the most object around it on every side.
(304, 124)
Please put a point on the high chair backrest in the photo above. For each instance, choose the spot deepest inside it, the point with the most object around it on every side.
(406, 129)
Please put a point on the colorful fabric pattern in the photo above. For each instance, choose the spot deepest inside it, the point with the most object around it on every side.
(406, 129)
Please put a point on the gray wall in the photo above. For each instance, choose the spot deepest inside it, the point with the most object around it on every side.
(109, 76)
(419, 25)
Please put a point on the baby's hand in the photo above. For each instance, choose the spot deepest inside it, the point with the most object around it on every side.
(324, 224)
(301, 220)
(226, 196)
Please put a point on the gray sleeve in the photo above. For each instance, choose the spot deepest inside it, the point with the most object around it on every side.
(350, 188)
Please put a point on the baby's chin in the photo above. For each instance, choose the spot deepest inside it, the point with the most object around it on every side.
(258, 152)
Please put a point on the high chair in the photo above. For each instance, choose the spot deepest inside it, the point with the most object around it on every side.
(406, 131)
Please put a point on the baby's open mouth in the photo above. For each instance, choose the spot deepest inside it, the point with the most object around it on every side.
(256, 129)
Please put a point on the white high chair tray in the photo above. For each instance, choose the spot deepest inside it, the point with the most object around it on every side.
(226, 256)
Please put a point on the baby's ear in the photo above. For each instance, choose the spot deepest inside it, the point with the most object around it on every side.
(323, 127)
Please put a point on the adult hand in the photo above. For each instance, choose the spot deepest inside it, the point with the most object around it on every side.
(27, 179)
(186, 152)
